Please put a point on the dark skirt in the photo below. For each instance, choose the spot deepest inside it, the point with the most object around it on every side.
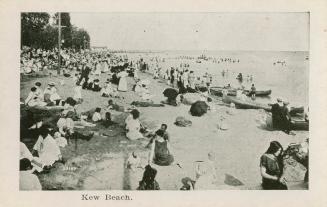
(163, 161)
(273, 185)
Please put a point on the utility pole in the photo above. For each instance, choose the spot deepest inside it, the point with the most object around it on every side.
(59, 43)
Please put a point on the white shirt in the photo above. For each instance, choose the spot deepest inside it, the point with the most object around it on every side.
(96, 117)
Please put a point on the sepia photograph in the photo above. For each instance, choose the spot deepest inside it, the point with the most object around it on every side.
(177, 101)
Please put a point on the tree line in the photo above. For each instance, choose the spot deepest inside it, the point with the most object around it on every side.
(38, 32)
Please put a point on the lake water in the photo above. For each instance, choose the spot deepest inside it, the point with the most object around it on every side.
(289, 81)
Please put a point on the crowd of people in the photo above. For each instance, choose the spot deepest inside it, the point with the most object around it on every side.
(86, 68)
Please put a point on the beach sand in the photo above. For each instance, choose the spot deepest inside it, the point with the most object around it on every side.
(101, 160)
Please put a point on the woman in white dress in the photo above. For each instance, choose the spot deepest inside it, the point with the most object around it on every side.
(122, 81)
(133, 126)
(47, 148)
(33, 99)
(97, 68)
(105, 66)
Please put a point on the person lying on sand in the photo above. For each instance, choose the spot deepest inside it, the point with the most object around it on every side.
(114, 106)
(146, 104)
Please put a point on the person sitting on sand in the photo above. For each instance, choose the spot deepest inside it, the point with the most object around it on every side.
(161, 151)
(188, 184)
(96, 85)
(166, 136)
(206, 174)
(133, 125)
(47, 148)
(106, 122)
(51, 94)
(148, 181)
(27, 180)
(65, 123)
(133, 161)
(96, 115)
(271, 168)
(33, 99)
(39, 91)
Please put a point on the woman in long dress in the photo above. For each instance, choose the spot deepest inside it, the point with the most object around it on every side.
(105, 66)
(133, 126)
(97, 68)
(122, 86)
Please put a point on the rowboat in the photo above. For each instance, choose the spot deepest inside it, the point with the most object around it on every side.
(218, 91)
(246, 104)
(300, 125)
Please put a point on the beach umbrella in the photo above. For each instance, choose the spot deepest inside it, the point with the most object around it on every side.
(170, 93)
(199, 108)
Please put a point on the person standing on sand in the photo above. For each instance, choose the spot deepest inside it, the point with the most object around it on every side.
(122, 86)
(252, 92)
(191, 79)
(286, 118)
(172, 77)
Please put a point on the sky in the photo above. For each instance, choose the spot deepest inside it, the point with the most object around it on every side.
(197, 31)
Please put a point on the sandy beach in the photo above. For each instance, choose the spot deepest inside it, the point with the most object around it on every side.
(101, 160)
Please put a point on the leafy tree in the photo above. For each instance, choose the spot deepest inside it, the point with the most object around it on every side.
(32, 25)
(38, 33)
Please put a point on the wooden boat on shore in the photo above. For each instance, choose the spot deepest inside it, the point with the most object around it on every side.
(218, 91)
(250, 104)
(300, 125)
(246, 104)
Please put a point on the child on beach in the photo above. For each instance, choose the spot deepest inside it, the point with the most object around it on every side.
(61, 141)
(97, 116)
(148, 181)
(133, 161)
(78, 93)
